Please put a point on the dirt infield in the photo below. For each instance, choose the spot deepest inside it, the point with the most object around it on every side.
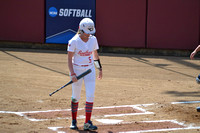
(138, 93)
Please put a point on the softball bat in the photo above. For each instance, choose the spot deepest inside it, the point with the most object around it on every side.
(70, 82)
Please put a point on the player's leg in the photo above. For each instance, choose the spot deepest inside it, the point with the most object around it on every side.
(89, 81)
(76, 92)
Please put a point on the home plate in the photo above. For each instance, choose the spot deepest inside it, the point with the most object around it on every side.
(109, 121)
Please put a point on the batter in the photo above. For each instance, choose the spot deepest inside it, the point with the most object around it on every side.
(82, 55)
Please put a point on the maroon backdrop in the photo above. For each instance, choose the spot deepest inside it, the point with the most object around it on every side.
(121, 22)
(22, 20)
(173, 24)
(161, 24)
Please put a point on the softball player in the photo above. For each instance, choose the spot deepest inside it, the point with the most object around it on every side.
(82, 55)
(197, 49)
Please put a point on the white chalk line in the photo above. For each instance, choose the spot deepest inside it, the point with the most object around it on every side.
(185, 102)
(137, 106)
(140, 131)
(162, 130)
(109, 121)
(159, 130)
(128, 114)
(190, 127)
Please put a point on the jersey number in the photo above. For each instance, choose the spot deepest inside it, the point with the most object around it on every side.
(90, 60)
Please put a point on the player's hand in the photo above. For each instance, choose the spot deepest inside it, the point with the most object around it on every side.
(74, 79)
(100, 75)
(192, 55)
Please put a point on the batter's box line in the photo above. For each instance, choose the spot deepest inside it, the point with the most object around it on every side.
(186, 102)
(56, 129)
(162, 130)
(137, 106)
(186, 127)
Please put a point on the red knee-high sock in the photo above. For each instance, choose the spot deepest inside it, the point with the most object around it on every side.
(74, 109)
(88, 111)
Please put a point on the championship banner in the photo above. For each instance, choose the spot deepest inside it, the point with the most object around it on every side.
(63, 17)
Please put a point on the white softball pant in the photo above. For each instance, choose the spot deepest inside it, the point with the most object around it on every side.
(89, 81)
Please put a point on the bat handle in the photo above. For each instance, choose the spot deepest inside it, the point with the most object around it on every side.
(70, 82)
(50, 94)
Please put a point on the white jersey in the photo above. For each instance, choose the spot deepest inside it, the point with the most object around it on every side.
(82, 50)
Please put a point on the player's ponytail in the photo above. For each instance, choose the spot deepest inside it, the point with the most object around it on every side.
(80, 31)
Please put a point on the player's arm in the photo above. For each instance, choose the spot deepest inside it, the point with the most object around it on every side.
(70, 65)
(194, 52)
(97, 63)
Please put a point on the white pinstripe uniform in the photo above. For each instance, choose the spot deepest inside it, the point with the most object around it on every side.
(82, 61)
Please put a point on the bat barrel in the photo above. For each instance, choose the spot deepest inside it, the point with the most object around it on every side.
(84, 74)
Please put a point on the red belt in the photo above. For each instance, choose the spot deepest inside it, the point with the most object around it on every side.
(81, 65)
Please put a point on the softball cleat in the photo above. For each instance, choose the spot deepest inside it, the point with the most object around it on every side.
(73, 125)
(89, 126)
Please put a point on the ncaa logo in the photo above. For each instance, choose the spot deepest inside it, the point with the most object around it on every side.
(53, 12)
